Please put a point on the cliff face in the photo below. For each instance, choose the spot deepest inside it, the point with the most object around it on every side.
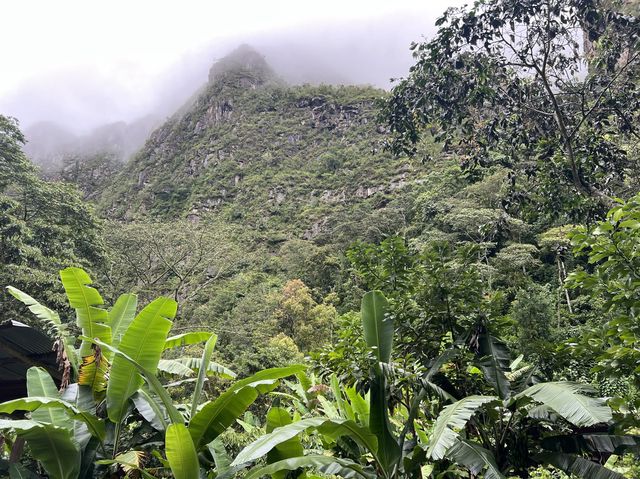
(293, 161)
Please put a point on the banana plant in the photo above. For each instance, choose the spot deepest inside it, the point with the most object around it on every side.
(117, 376)
(526, 424)
(382, 451)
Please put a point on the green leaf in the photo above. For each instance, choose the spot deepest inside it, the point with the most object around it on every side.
(121, 315)
(346, 411)
(378, 334)
(216, 416)
(327, 464)
(388, 452)
(578, 466)
(185, 339)
(49, 318)
(220, 456)
(615, 214)
(494, 362)
(474, 458)
(143, 343)
(150, 409)
(171, 366)
(66, 410)
(454, 416)
(632, 224)
(328, 408)
(202, 372)
(53, 446)
(378, 330)
(601, 443)
(18, 471)
(516, 362)
(279, 417)
(56, 450)
(40, 384)
(51, 321)
(90, 317)
(443, 358)
(181, 453)
(212, 367)
(359, 406)
(444, 395)
(328, 427)
(567, 400)
(152, 381)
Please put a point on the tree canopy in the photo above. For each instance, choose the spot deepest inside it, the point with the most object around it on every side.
(547, 89)
(43, 225)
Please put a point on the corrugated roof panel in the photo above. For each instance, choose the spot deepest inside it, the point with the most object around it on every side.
(20, 348)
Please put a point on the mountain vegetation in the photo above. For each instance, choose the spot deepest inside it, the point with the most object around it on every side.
(455, 262)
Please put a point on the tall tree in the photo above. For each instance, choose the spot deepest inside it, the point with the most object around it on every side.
(507, 82)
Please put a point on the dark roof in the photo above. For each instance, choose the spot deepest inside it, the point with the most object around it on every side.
(21, 347)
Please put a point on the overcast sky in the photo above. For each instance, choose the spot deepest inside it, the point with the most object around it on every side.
(83, 63)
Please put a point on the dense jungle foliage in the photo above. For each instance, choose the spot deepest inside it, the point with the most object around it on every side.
(438, 281)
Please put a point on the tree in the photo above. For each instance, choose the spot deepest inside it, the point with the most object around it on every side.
(301, 318)
(533, 313)
(14, 165)
(612, 246)
(43, 226)
(176, 258)
(279, 350)
(369, 425)
(504, 437)
(436, 293)
(505, 82)
(509, 433)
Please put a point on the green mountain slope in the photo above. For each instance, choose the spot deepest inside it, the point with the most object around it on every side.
(302, 161)
(255, 184)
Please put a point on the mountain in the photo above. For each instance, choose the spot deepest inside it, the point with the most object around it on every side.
(288, 161)
(119, 138)
(49, 145)
(255, 183)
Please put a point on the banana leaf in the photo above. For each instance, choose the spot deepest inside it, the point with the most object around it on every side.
(143, 343)
(181, 453)
(569, 401)
(216, 416)
(91, 318)
(452, 418)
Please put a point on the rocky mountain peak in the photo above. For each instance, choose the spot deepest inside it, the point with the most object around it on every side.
(244, 65)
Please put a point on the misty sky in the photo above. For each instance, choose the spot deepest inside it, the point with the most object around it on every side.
(85, 63)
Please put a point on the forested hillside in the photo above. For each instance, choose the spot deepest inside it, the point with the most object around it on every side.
(454, 261)
(281, 159)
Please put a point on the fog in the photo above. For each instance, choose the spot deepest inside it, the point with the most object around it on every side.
(81, 79)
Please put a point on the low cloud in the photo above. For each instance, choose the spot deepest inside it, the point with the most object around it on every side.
(80, 98)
